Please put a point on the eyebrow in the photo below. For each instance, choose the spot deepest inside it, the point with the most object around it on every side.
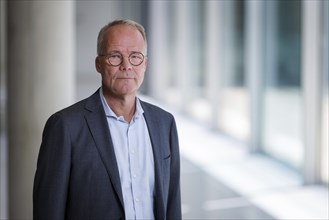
(116, 51)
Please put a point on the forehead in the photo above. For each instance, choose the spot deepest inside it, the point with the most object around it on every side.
(124, 38)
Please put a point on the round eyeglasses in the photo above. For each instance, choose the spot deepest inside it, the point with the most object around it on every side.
(116, 58)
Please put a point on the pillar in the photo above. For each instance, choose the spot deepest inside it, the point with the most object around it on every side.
(254, 60)
(311, 88)
(182, 52)
(214, 47)
(159, 65)
(3, 115)
(40, 81)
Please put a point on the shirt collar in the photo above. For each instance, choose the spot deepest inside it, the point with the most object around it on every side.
(109, 113)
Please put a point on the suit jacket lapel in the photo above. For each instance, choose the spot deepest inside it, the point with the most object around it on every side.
(153, 125)
(98, 126)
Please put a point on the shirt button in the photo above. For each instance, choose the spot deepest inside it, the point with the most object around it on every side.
(137, 200)
(134, 176)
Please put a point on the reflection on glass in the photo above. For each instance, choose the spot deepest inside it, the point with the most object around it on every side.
(282, 124)
(233, 117)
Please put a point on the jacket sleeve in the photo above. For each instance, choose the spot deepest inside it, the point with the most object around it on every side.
(51, 181)
(174, 198)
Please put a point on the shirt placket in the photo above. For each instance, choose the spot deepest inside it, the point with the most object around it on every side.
(134, 168)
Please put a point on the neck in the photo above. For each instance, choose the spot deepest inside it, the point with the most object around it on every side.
(122, 106)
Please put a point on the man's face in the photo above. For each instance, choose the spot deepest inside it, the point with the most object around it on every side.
(124, 79)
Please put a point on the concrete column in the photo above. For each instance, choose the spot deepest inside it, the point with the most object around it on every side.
(214, 67)
(160, 62)
(311, 88)
(325, 97)
(183, 52)
(254, 60)
(40, 81)
(3, 114)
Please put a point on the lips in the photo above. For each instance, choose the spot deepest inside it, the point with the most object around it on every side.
(125, 78)
(125, 75)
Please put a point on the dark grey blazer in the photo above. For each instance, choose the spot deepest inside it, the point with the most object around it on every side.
(77, 175)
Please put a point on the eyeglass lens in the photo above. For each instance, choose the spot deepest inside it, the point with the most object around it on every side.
(135, 58)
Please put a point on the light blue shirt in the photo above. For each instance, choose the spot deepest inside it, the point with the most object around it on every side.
(134, 155)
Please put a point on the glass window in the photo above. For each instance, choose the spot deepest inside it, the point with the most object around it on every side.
(234, 103)
(282, 104)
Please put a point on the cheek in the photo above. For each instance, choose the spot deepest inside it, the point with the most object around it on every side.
(107, 78)
(142, 72)
(108, 73)
(141, 77)
(144, 67)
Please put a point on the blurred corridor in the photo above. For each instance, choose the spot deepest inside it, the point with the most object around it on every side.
(246, 80)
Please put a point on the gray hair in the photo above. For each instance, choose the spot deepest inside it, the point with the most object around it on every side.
(101, 34)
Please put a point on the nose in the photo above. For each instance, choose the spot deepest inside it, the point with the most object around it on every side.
(125, 65)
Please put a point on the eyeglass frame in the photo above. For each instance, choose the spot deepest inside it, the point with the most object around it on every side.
(122, 57)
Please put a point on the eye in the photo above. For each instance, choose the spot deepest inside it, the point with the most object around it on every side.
(136, 58)
(115, 56)
(114, 59)
(137, 55)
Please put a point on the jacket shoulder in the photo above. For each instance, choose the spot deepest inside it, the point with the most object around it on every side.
(148, 107)
(75, 112)
(80, 106)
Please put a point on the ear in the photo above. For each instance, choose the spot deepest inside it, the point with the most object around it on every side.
(98, 64)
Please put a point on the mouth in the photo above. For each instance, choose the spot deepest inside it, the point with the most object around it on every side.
(125, 78)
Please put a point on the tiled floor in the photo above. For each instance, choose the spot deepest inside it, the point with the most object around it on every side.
(204, 197)
(222, 180)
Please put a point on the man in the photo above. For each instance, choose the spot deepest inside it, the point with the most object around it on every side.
(111, 156)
